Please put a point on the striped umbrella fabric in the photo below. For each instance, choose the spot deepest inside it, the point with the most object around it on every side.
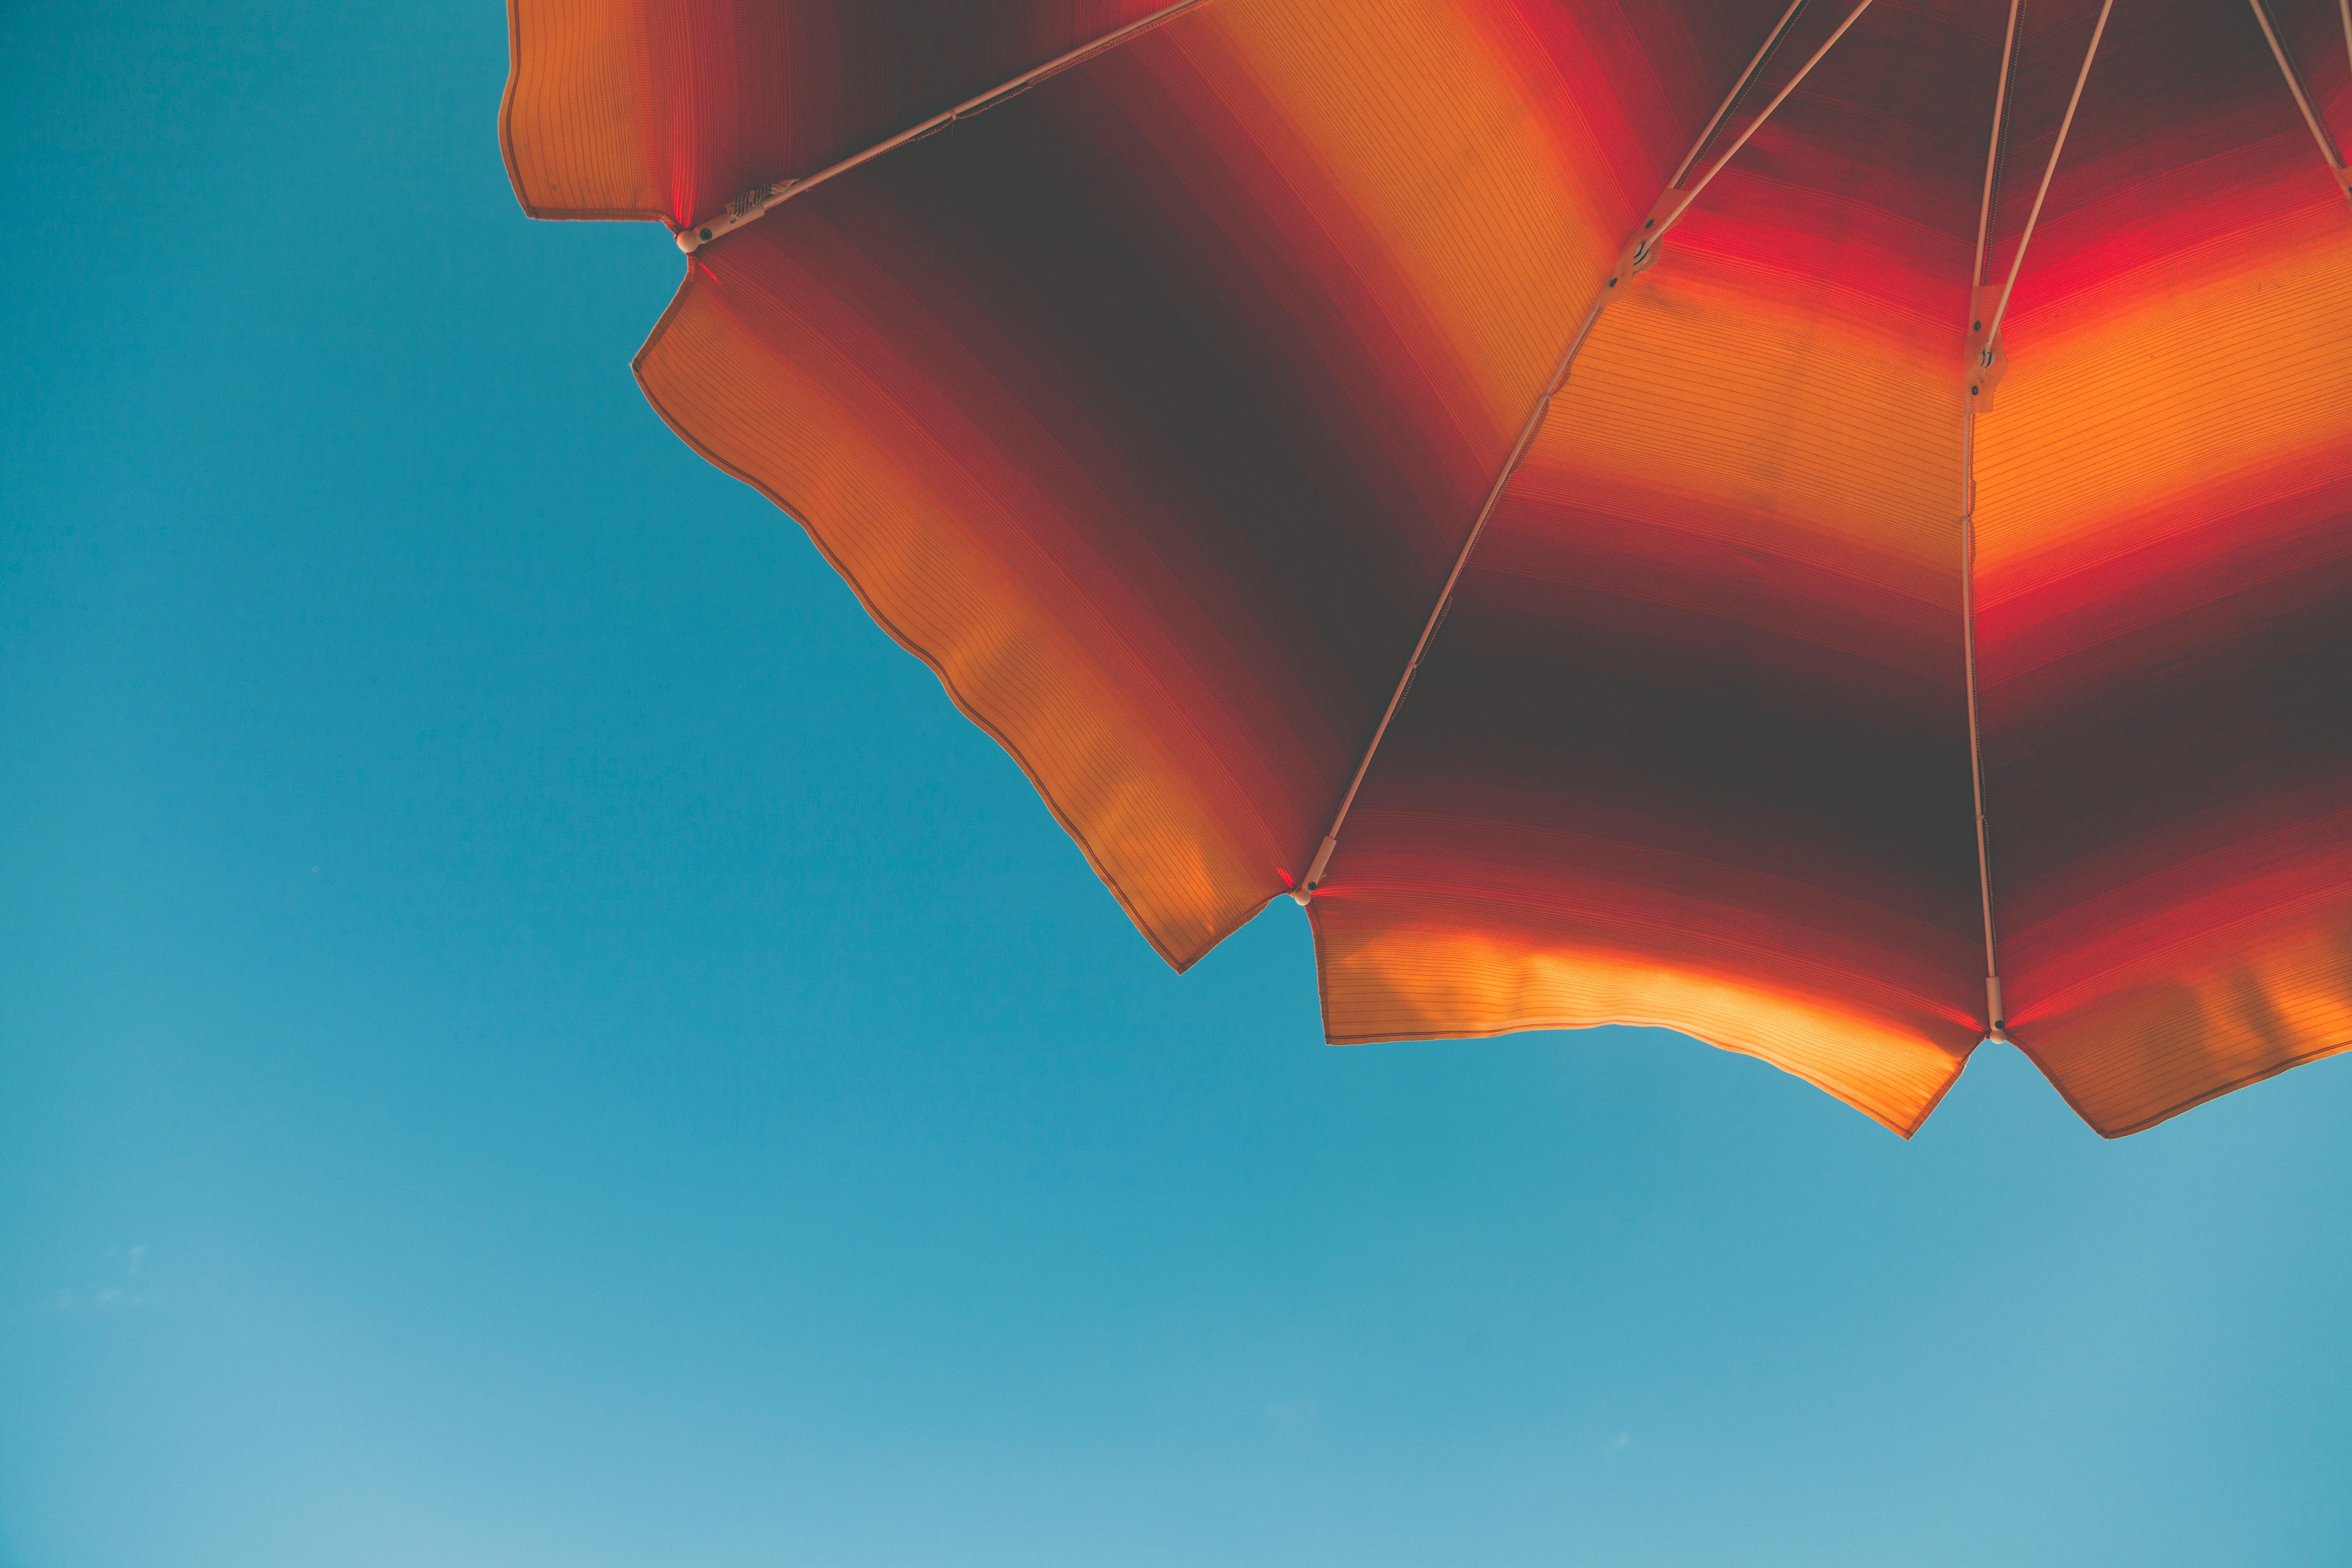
(1827, 527)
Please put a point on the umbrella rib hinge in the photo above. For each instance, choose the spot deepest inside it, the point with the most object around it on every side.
(1988, 361)
(1306, 888)
(1640, 252)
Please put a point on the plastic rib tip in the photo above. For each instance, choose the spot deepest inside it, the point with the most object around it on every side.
(760, 200)
(1305, 889)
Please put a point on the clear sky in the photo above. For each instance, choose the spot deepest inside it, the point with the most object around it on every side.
(534, 1034)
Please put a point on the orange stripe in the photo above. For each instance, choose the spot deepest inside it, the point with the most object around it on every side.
(2166, 522)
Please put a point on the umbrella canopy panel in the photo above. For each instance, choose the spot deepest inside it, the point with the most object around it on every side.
(1170, 408)
(2164, 582)
(1692, 748)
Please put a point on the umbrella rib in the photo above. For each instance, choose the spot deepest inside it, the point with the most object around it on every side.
(760, 200)
(1643, 248)
(2294, 85)
(1996, 1018)
(1999, 130)
(2017, 263)
(1306, 888)
(1771, 42)
(1757, 124)
(1639, 251)
(1984, 350)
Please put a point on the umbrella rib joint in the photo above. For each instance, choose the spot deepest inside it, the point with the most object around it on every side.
(760, 200)
(1641, 250)
(2327, 148)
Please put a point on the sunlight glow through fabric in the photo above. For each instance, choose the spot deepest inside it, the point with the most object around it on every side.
(1824, 527)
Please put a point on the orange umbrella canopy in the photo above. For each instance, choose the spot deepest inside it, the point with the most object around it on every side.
(1825, 527)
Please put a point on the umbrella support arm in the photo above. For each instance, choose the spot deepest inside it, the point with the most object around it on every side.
(760, 200)
(1639, 251)
(1985, 364)
(2327, 148)
(1996, 1015)
(1993, 148)
(1305, 890)
(1984, 345)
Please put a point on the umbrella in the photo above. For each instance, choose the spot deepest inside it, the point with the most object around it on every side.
(1826, 526)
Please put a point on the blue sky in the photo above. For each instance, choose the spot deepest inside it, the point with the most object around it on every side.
(533, 1035)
